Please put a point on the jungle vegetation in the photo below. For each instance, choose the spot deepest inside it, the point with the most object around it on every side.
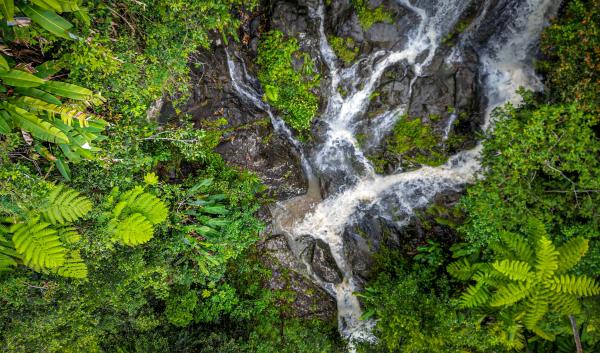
(109, 243)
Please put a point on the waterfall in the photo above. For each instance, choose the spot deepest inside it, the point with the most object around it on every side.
(505, 65)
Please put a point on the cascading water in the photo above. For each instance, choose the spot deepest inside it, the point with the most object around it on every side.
(505, 65)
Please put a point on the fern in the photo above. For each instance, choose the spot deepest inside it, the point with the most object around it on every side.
(148, 205)
(510, 294)
(531, 280)
(135, 215)
(40, 241)
(519, 246)
(73, 267)
(474, 296)
(38, 244)
(565, 304)
(546, 258)
(515, 270)
(134, 230)
(65, 205)
(537, 307)
(570, 253)
(581, 285)
(68, 235)
(461, 269)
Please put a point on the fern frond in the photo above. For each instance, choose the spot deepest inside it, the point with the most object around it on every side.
(535, 230)
(546, 258)
(515, 270)
(6, 262)
(510, 331)
(461, 269)
(38, 245)
(542, 333)
(65, 205)
(68, 235)
(474, 296)
(571, 252)
(148, 205)
(564, 303)
(134, 230)
(578, 285)
(519, 246)
(74, 267)
(510, 294)
(537, 307)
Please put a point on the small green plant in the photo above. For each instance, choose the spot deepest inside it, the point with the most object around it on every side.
(415, 142)
(135, 215)
(345, 48)
(528, 280)
(287, 89)
(368, 17)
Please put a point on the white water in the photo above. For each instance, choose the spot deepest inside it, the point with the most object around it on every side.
(506, 65)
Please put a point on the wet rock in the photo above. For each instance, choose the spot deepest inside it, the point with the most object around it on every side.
(249, 142)
(309, 300)
(322, 262)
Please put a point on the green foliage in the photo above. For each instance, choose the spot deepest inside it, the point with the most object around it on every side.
(135, 215)
(65, 205)
(344, 48)
(368, 16)
(573, 66)
(288, 89)
(548, 170)
(414, 312)
(527, 284)
(412, 142)
(40, 239)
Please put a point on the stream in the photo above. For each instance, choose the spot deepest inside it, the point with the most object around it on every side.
(505, 64)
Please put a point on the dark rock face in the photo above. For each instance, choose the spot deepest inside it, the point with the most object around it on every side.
(310, 300)
(323, 263)
(250, 142)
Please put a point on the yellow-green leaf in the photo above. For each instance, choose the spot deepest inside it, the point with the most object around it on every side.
(67, 90)
(49, 20)
(3, 63)
(47, 5)
(8, 9)
(36, 126)
(39, 94)
(19, 78)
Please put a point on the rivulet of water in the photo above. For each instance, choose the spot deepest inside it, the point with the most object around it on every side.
(505, 65)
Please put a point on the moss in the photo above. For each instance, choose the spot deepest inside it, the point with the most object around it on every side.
(368, 17)
(345, 48)
(289, 90)
(414, 143)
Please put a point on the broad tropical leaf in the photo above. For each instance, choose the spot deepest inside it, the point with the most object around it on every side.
(37, 127)
(18, 78)
(67, 90)
(3, 63)
(39, 94)
(49, 20)
(8, 9)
